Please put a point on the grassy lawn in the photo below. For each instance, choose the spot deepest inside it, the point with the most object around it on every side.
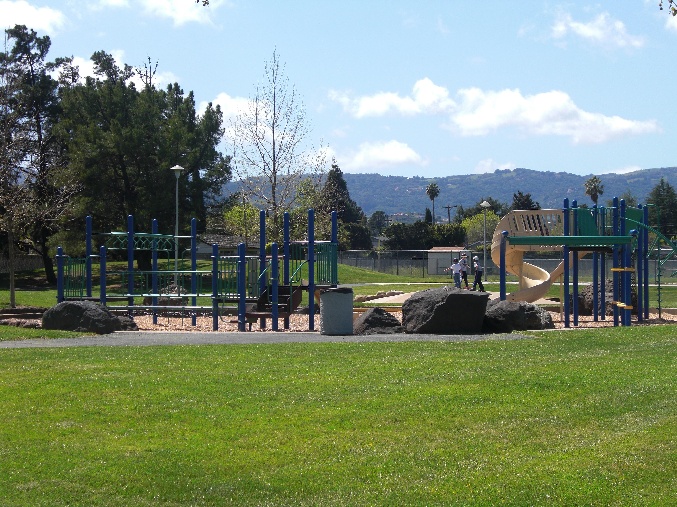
(565, 418)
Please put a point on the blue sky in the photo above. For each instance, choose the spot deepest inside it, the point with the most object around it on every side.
(413, 88)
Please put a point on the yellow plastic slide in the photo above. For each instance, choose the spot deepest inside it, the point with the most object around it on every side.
(534, 282)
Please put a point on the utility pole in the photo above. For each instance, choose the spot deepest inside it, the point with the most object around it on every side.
(448, 208)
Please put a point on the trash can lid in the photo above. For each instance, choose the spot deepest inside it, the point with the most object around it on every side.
(338, 290)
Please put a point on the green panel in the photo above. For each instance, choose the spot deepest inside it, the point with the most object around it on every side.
(591, 241)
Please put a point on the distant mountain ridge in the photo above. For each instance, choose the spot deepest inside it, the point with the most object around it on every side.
(400, 194)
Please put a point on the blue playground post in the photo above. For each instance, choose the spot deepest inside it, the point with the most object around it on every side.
(193, 266)
(311, 269)
(102, 275)
(574, 205)
(615, 263)
(59, 275)
(640, 274)
(334, 227)
(504, 238)
(285, 259)
(130, 260)
(602, 273)
(215, 287)
(262, 258)
(565, 254)
(595, 270)
(241, 286)
(154, 267)
(274, 285)
(88, 254)
(645, 235)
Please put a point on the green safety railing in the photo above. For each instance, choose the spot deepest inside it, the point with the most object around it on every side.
(75, 277)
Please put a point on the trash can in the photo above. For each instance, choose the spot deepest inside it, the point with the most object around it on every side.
(336, 311)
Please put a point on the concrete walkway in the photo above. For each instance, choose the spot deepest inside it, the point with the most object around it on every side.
(145, 339)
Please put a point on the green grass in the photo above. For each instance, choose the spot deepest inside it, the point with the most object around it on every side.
(568, 418)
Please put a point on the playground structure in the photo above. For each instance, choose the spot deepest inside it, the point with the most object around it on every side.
(619, 231)
(254, 288)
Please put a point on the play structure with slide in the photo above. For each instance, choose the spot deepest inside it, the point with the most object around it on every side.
(269, 285)
(620, 231)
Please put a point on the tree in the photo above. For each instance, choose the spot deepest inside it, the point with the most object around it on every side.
(122, 143)
(433, 191)
(629, 198)
(474, 228)
(270, 151)
(499, 208)
(336, 197)
(428, 216)
(522, 201)
(31, 202)
(422, 236)
(672, 6)
(594, 188)
(377, 222)
(664, 198)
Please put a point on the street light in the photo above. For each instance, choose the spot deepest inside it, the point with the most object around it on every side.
(177, 172)
(485, 205)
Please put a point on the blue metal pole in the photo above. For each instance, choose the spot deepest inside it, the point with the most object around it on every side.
(154, 266)
(285, 261)
(215, 287)
(262, 258)
(645, 236)
(311, 269)
(193, 267)
(640, 273)
(102, 275)
(241, 287)
(59, 275)
(130, 261)
(602, 274)
(615, 264)
(88, 254)
(274, 282)
(504, 239)
(595, 271)
(334, 227)
(565, 254)
(574, 205)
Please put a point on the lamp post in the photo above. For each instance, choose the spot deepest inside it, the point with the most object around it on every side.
(177, 172)
(485, 205)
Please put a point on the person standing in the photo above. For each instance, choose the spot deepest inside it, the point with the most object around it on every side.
(478, 274)
(455, 268)
(464, 269)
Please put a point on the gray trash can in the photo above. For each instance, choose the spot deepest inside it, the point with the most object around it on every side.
(336, 311)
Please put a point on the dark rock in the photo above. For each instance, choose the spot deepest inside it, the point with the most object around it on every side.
(377, 321)
(85, 316)
(508, 316)
(586, 293)
(446, 310)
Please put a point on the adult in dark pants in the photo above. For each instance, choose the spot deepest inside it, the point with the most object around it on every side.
(478, 274)
(464, 269)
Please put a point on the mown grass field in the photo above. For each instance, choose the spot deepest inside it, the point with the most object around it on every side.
(563, 418)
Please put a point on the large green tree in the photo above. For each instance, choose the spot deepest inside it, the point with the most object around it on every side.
(594, 188)
(122, 143)
(664, 209)
(433, 192)
(31, 202)
(522, 201)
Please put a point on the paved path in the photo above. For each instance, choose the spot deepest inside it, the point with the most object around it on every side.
(144, 339)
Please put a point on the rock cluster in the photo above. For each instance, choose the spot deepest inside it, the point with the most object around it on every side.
(86, 317)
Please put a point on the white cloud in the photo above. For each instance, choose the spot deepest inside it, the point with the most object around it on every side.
(628, 169)
(426, 97)
(40, 19)
(488, 165)
(382, 154)
(181, 11)
(671, 23)
(478, 112)
(549, 113)
(230, 106)
(603, 30)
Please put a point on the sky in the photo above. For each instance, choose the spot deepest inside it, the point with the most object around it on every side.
(426, 88)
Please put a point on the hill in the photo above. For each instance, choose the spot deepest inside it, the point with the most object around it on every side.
(399, 194)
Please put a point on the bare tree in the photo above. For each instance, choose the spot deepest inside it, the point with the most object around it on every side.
(271, 151)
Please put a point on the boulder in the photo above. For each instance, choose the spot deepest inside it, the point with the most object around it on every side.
(586, 293)
(377, 321)
(85, 316)
(508, 316)
(446, 310)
